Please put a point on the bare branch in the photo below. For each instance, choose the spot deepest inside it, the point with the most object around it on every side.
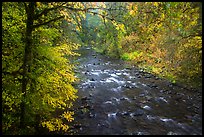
(47, 22)
(45, 11)
(26, 7)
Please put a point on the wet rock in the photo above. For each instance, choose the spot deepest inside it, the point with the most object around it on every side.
(84, 98)
(77, 125)
(148, 98)
(137, 73)
(170, 85)
(91, 107)
(153, 86)
(157, 78)
(91, 85)
(85, 73)
(106, 124)
(143, 133)
(92, 79)
(188, 117)
(141, 95)
(92, 115)
(124, 98)
(171, 133)
(98, 125)
(125, 113)
(162, 91)
(138, 133)
(178, 97)
(134, 98)
(138, 112)
(146, 107)
(112, 114)
(87, 106)
(90, 95)
(108, 102)
(161, 99)
(147, 76)
(139, 76)
(127, 86)
(168, 92)
(166, 119)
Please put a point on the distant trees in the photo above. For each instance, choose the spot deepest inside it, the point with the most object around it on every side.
(162, 37)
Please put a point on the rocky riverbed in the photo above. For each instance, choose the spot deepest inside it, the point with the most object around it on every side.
(118, 100)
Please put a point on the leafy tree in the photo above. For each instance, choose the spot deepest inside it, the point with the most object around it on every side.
(157, 36)
(37, 73)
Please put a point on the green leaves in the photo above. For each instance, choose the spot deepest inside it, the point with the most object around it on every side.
(164, 32)
(49, 74)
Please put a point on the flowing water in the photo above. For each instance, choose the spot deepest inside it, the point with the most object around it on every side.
(116, 100)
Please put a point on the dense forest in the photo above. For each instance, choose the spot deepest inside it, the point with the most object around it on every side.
(40, 41)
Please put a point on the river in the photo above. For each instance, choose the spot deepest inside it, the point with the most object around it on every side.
(118, 100)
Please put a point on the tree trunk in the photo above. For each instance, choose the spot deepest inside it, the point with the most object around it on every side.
(27, 61)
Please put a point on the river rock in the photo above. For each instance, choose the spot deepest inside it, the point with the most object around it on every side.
(153, 86)
(125, 113)
(171, 133)
(134, 98)
(92, 79)
(90, 95)
(148, 97)
(84, 98)
(138, 112)
(147, 76)
(92, 115)
(157, 78)
(127, 86)
(146, 107)
(77, 125)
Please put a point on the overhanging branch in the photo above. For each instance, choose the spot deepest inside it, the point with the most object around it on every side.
(47, 22)
(45, 11)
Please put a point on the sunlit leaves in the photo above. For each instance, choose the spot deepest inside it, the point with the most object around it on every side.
(50, 76)
(68, 116)
(171, 27)
(164, 32)
(55, 124)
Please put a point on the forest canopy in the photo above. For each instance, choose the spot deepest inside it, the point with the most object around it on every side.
(164, 38)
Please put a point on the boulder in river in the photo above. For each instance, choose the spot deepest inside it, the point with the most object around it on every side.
(92, 79)
(171, 133)
(138, 112)
(91, 115)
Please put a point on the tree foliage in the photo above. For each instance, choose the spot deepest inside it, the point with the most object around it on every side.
(162, 37)
(37, 75)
